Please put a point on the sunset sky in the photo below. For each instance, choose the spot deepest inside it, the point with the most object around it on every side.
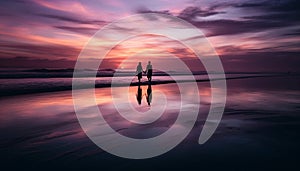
(261, 35)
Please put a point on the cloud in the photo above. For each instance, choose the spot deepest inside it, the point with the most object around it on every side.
(261, 16)
(28, 62)
(73, 19)
(191, 13)
(142, 9)
(82, 30)
(250, 33)
(230, 49)
(231, 27)
(39, 51)
(280, 61)
(294, 32)
(254, 16)
(68, 7)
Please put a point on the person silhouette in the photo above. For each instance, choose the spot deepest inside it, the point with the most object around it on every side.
(139, 71)
(139, 95)
(149, 71)
(149, 94)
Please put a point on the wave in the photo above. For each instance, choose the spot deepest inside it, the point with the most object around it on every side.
(10, 87)
(68, 73)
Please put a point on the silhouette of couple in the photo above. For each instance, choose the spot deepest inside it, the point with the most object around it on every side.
(139, 94)
(139, 71)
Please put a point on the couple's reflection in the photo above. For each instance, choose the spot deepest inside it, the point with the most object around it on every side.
(139, 94)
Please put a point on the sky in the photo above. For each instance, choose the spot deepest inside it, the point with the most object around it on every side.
(249, 36)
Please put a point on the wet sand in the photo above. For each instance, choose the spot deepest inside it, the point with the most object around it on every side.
(259, 129)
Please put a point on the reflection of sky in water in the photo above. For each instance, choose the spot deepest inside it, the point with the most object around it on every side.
(45, 124)
(268, 100)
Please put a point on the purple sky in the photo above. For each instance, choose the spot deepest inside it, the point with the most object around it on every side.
(262, 35)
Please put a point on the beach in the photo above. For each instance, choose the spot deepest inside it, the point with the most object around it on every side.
(259, 129)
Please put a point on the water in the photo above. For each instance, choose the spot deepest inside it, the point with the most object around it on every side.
(260, 127)
(15, 86)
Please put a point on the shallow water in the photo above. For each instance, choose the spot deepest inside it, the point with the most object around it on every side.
(18, 86)
(260, 127)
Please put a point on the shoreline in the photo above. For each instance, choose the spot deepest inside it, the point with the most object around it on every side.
(46, 89)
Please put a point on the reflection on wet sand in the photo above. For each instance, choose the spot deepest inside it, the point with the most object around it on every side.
(261, 115)
(139, 95)
(148, 95)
